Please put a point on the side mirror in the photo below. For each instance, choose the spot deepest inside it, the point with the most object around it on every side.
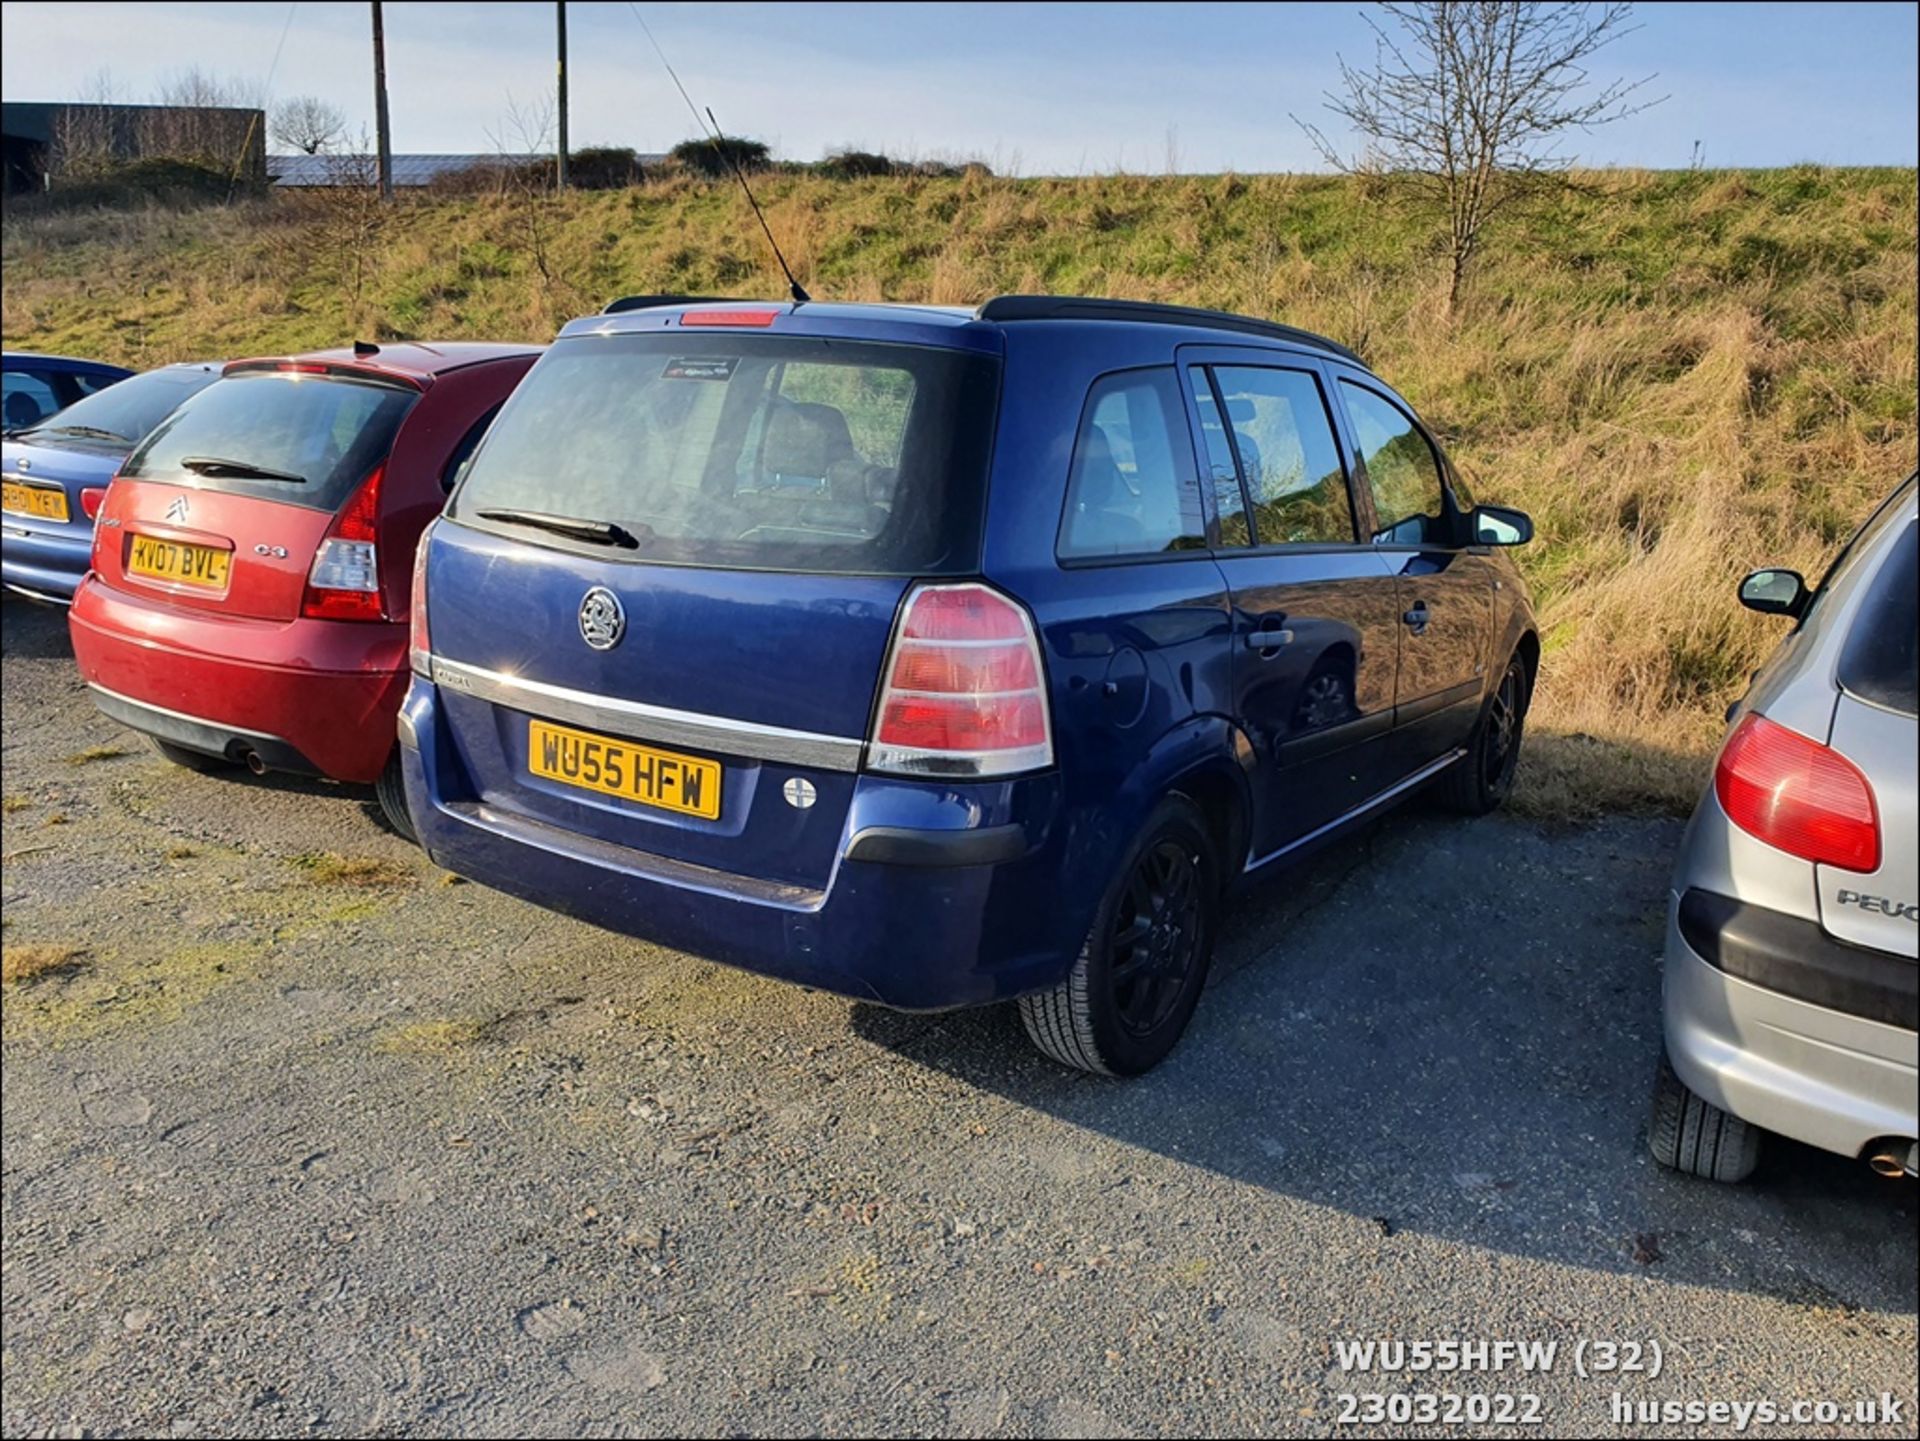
(1499, 525)
(1775, 592)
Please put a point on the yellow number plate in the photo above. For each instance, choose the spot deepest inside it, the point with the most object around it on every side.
(36, 500)
(176, 561)
(663, 779)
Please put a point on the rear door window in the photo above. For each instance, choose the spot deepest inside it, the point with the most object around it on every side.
(1879, 661)
(1284, 438)
(300, 439)
(29, 398)
(1402, 472)
(1132, 490)
(752, 452)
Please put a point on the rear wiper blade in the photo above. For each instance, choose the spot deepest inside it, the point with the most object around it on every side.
(602, 532)
(236, 469)
(93, 432)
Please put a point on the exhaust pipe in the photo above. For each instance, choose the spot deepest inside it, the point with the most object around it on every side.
(1893, 1161)
(254, 763)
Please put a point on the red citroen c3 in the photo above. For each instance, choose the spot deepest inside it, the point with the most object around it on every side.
(253, 558)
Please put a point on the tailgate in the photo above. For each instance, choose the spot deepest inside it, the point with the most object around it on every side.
(677, 738)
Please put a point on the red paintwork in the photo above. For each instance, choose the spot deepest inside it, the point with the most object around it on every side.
(244, 656)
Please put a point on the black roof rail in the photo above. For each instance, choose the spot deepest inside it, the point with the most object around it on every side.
(650, 302)
(1081, 307)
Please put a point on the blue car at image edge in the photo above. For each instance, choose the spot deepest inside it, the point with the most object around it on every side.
(55, 474)
(937, 657)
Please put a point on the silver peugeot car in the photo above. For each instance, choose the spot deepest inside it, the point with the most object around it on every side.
(1790, 996)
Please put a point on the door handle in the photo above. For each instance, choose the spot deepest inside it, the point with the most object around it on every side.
(1269, 640)
(1416, 619)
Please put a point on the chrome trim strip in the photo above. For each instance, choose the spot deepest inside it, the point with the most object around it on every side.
(32, 594)
(1392, 792)
(639, 721)
(221, 726)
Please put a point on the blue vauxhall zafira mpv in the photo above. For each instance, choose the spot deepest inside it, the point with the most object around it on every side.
(939, 657)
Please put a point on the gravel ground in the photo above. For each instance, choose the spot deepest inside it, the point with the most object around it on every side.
(305, 1139)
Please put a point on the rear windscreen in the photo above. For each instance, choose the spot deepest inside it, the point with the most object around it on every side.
(301, 439)
(1879, 663)
(123, 413)
(753, 452)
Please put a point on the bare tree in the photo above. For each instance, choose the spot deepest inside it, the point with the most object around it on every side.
(308, 124)
(1467, 102)
(521, 140)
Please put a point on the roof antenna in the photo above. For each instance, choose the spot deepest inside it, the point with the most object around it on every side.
(711, 128)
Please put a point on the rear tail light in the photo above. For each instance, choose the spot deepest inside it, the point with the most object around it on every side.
(92, 497)
(964, 694)
(419, 643)
(1798, 795)
(344, 583)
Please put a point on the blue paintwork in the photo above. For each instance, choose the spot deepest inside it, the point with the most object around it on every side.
(1151, 682)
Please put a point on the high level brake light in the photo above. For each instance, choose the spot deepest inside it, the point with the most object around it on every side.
(963, 693)
(1798, 795)
(755, 318)
(344, 583)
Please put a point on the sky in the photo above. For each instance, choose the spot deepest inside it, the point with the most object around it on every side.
(1031, 89)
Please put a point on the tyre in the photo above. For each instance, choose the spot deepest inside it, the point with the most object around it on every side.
(391, 792)
(1480, 780)
(191, 760)
(1139, 973)
(1688, 1134)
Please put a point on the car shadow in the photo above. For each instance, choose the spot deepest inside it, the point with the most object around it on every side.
(32, 629)
(1450, 1027)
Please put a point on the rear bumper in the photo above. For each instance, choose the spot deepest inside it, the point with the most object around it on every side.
(317, 697)
(915, 918)
(1832, 1079)
(46, 567)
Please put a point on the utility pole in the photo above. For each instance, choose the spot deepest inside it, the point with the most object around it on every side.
(380, 125)
(560, 167)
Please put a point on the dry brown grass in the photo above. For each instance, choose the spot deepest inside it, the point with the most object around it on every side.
(30, 961)
(1681, 376)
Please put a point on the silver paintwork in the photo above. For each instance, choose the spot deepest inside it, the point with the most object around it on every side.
(638, 721)
(1829, 1079)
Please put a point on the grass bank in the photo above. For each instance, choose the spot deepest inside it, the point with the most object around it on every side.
(1680, 374)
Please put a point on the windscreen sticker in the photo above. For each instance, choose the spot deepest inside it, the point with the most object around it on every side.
(700, 367)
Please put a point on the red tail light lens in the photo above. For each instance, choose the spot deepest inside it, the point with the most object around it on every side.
(344, 583)
(964, 694)
(1798, 795)
(419, 642)
(92, 497)
(755, 318)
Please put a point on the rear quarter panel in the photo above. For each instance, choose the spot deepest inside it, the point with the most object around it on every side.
(1137, 654)
(412, 492)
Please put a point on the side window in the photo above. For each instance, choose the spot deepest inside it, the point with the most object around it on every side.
(1878, 663)
(87, 382)
(1401, 470)
(1294, 477)
(1228, 499)
(29, 399)
(1132, 490)
(463, 452)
